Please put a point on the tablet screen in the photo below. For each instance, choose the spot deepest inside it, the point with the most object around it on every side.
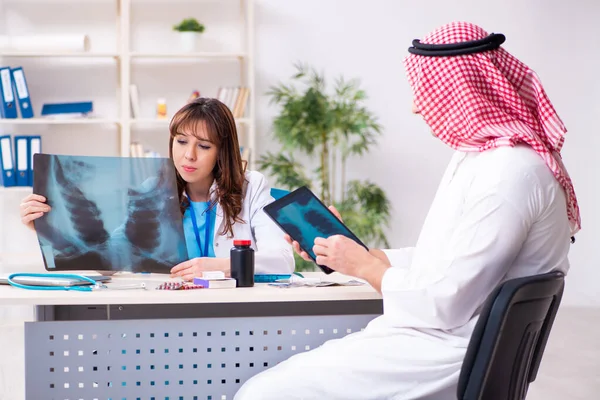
(304, 217)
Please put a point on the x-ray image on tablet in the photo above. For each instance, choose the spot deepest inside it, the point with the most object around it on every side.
(304, 217)
(109, 213)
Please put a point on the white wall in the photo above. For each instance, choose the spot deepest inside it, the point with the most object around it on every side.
(367, 40)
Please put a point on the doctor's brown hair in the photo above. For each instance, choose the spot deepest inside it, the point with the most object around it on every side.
(229, 171)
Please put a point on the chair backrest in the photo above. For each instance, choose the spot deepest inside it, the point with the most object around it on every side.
(508, 341)
(278, 193)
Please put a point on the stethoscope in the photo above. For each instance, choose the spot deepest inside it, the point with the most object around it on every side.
(94, 285)
(85, 288)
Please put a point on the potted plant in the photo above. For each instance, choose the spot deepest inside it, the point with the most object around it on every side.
(189, 29)
(327, 129)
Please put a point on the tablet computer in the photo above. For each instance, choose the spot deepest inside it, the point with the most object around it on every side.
(304, 217)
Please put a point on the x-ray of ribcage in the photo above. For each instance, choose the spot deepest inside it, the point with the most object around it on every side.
(109, 213)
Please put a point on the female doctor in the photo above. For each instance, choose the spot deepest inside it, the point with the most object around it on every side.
(220, 201)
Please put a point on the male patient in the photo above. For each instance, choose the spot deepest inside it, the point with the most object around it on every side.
(505, 208)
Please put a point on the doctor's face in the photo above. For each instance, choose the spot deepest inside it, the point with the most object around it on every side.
(194, 153)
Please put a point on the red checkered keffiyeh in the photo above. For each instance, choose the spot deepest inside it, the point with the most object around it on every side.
(480, 101)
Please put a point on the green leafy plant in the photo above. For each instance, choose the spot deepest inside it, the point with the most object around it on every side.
(189, 25)
(328, 129)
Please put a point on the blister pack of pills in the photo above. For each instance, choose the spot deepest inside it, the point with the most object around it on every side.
(178, 286)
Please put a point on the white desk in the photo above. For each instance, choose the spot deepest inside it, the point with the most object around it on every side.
(195, 344)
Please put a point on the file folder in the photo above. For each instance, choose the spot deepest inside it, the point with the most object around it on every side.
(6, 161)
(22, 90)
(82, 108)
(8, 108)
(35, 147)
(22, 160)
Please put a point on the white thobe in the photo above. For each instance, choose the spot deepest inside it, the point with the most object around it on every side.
(497, 215)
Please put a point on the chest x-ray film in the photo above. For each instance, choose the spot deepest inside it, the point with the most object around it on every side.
(109, 213)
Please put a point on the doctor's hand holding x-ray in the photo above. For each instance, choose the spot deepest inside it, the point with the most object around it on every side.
(33, 207)
(347, 257)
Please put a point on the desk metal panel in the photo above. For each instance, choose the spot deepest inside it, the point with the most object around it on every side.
(167, 359)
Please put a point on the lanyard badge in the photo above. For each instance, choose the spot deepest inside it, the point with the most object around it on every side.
(197, 232)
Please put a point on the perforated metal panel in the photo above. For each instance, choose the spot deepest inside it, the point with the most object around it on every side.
(169, 359)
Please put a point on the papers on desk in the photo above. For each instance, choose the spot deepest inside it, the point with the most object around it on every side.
(296, 281)
(112, 286)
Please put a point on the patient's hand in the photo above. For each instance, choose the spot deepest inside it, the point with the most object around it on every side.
(33, 207)
(296, 246)
(344, 255)
(374, 252)
(336, 213)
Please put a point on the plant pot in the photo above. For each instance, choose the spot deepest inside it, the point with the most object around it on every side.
(188, 40)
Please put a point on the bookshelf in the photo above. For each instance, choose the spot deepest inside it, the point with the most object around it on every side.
(133, 54)
(206, 55)
(48, 121)
(131, 42)
(23, 54)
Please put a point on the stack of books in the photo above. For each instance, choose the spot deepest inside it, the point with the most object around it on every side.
(235, 98)
(137, 150)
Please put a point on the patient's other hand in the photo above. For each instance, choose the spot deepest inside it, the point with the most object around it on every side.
(336, 213)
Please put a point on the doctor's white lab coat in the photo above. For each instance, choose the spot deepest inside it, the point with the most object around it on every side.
(273, 255)
(497, 215)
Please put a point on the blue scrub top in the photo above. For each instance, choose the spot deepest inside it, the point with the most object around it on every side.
(200, 208)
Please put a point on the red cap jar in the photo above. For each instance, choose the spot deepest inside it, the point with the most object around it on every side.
(241, 257)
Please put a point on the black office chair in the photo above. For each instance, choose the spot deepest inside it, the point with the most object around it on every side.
(509, 339)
